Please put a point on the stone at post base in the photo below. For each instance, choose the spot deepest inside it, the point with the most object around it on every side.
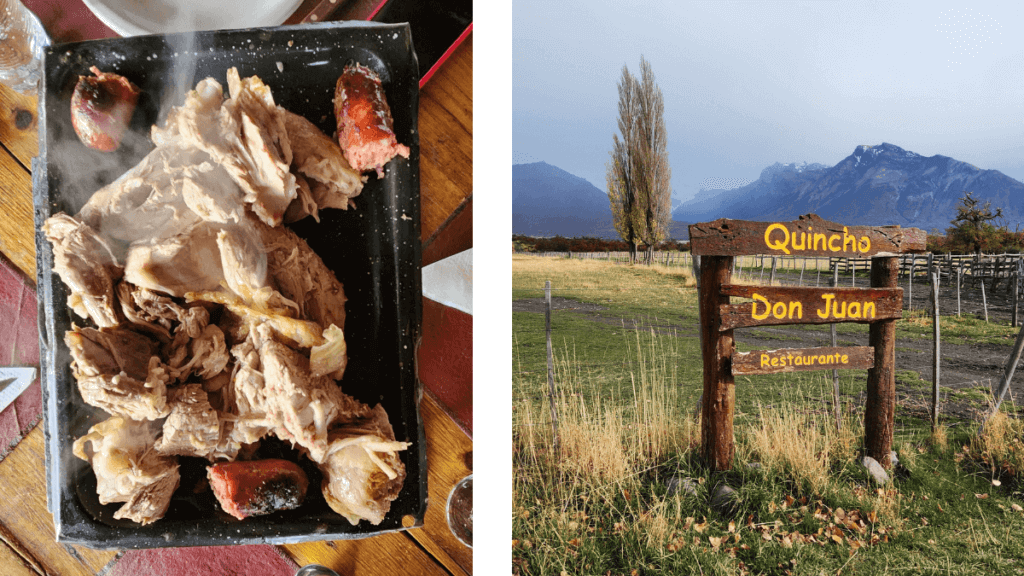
(724, 500)
(687, 485)
(875, 471)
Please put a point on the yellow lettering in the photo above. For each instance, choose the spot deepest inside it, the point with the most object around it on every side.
(779, 245)
(821, 359)
(803, 241)
(854, 310)
(864, 245)
(849, 239)
(830, 239)
(779, 310)
(814, 240)
(830, 359)
(838, 312)
(828, 304)
(799, 361)
(753, 309)
(764, 360)
(811, 363)
(845, 359)
(869, 306)
(775, 362)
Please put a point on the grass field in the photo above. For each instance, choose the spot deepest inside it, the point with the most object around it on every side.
(628, 373)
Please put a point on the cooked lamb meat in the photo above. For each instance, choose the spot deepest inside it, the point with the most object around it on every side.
(301, 406)
(160, 314)
(243, 134)
(206, 355)
(174, 188)
(302, 277)
(128, 469)
(87, 266)
(119, 371)
(257, 487)
(332, 181)
(362, 471)
(192, 428)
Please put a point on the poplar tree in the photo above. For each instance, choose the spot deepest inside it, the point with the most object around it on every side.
(638, 174)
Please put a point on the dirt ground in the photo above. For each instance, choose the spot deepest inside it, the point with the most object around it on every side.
(965, 368)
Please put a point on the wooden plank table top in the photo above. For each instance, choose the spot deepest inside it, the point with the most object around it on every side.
(27, 545)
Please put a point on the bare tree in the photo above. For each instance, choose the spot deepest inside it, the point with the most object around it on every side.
(619, 171)
(638, 173)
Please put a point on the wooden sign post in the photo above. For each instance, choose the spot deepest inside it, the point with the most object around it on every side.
(880, 305)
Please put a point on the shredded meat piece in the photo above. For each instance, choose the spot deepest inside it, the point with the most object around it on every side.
(128, 469)
(300, 405)
(118, 370)
(333, 182)
(302, 277)
(362, 471)
(86, 265)
(192, 428)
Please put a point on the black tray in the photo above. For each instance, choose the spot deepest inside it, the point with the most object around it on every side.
(374, 251)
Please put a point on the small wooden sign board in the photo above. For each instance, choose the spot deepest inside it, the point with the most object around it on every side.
(880, 305)
(797, 359)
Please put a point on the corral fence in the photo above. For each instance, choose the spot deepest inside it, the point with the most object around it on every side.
(978, 276)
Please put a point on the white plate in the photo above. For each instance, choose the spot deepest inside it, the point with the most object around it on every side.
(138, 17)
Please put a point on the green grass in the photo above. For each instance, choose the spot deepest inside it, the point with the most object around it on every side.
(625, 402)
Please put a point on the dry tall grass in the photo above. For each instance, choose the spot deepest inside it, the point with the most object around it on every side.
(608, 438)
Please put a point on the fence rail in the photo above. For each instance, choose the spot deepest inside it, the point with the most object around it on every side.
(983, 273)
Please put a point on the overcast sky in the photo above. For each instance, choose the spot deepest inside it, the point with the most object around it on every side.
(748, 83)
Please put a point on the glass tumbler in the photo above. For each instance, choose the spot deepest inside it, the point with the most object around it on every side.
(22, 39)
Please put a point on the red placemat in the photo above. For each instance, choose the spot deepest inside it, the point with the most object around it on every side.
(19, 346)
(261, 559)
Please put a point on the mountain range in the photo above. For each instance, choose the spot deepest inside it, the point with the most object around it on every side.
(875, 185)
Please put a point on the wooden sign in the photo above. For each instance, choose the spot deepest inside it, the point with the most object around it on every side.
(775, 305)
(796, 359)
(811, 235)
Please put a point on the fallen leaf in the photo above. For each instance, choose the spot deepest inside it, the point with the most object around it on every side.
(837, 539)
(766, 536)
(789, 500)
(625, 494)
(787, 542)
(701, 527)
(872, 516)
(996, 482)
(1016, 507)
(736, 538)
(981, 496)
(732, 527)
(716, 541)
(618, 527)
(931, 541)
(688, 523)
(772, 507)
(574, 525)
(924, 497)
(515, 543)
(574, 542)
(940, 507)
(563, 573)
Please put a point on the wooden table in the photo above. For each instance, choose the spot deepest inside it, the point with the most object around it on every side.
(27, 545)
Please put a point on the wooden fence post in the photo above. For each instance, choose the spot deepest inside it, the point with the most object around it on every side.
(984, 302)
(1008, 370)
(803, 266)
(835, 372)
(771, 278)
(880, 408)
(551, 366)
(935, 351)
(1016, 292)
(910, 285)
(719, 398)
(958, 280)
